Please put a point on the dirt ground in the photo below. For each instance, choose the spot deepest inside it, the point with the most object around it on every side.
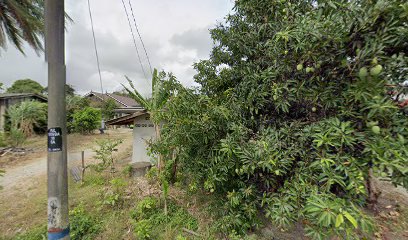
(24, 184)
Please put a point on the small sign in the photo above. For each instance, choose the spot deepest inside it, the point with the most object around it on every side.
(54, 139)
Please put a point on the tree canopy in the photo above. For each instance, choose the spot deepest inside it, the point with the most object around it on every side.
(292, 118)
(107, 108)
(86, 120)
(25, 86)
(22, 21)
(69, 90)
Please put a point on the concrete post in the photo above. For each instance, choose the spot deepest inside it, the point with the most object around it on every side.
(58, 224)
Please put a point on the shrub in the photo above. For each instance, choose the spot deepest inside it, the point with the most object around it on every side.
(149, 215)
(16, 137)
(28, 116)
(82, 224)
(86, 120)
(73, 105)
(104, 153)
(293, 114)
(113, 196)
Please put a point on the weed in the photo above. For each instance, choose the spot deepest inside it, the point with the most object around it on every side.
(105, 154)
(143, 229)
(114, 196)
(37, 233)
(83, 225)
(16, 137)
(149, 213)
(152, 175)
(127, 170)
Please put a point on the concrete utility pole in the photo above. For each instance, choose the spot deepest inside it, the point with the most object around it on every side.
(58, 224)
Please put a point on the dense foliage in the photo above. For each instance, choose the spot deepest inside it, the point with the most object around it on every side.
(69, 90)
(25, 86)
(108, 106)
(22, 21)
(86, 120)
(74, 104)
(28, 117)
(293, 117)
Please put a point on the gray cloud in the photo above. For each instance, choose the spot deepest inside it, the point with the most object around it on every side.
(194, 39)
(175, 34)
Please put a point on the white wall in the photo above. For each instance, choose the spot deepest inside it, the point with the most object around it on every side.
(143, 131)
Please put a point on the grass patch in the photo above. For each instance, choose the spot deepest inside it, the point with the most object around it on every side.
(151, 222)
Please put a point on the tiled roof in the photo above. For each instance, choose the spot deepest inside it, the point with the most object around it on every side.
(121, 100)
(20, 95)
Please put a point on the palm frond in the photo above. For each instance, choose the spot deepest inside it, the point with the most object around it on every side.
(137, 96)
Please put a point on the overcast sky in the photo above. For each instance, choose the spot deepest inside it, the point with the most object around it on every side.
(175, 34)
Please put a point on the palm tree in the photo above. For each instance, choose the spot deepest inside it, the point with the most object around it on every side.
(27, 115)
(22, 21)
(154, 105)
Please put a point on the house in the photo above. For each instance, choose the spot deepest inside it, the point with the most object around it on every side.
(124, 105)
(9, 99)
(143, 131)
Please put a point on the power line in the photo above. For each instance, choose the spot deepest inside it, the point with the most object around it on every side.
(96, 49)
(134, 41)
(140, 37)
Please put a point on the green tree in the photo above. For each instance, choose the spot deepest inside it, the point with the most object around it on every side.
(69, 90)
(74, 104)
(162, 85)
(25, 86)
(27, 116)
(22, 21)
(86, 120)
(292, 118)
(108, 106)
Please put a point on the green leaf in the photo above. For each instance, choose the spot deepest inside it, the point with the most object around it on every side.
(339, 220)
(350, 218)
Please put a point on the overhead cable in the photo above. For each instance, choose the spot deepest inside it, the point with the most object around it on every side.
(96, 49)
(134, 41)
(140, 37)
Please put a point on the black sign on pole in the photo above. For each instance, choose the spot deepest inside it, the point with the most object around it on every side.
(54, 140)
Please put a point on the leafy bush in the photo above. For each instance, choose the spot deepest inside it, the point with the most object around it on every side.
(16, 137)
(74, 104)
(82, 224)
(293, 114)
(86, 120)
(104, 153)
(107, 108)
(149, 215)
(28, 116)
(113, 196)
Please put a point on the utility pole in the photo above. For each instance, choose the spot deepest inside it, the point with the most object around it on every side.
(58, 224)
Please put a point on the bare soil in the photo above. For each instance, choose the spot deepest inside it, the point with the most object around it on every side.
(24, 193)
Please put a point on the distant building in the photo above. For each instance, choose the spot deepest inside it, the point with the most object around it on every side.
(124, 105)
(10, 99)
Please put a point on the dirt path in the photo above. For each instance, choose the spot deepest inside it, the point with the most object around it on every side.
(19, 175)
(37, 167)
